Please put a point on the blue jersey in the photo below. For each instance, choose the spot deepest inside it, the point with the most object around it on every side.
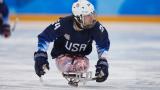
(69, 41)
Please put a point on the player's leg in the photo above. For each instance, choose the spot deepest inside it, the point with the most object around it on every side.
(81, 64)
(67, 63)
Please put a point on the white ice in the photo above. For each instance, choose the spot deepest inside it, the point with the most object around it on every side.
(134, 59)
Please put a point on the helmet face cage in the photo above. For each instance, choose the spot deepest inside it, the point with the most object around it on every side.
(89, 20)
(86, 21)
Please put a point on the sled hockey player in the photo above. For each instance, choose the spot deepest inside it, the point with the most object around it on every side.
(4, 25)
(73, 36)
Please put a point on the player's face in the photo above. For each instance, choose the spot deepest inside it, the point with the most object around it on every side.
(89, 20)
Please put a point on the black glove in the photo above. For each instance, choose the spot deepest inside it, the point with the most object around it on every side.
(6, 31)
(41, 62)
(1, 21)
(101, 70)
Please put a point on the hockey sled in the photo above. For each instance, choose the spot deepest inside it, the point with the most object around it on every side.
(75, 78)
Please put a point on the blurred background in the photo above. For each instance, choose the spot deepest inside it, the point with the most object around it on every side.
(108, 10)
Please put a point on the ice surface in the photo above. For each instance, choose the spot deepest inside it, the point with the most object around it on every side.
(134, 59)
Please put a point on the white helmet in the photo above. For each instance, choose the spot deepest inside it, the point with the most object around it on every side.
(80, 10)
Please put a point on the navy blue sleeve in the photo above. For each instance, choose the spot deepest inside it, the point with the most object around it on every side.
(101, 38)
(49, 35)
(5, 13)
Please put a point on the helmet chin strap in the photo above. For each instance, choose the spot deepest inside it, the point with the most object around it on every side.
(77, 26)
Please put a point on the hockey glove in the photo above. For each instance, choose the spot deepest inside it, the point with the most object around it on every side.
(6, 32)
(41, 62)
(101, 70)
(1, 21)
